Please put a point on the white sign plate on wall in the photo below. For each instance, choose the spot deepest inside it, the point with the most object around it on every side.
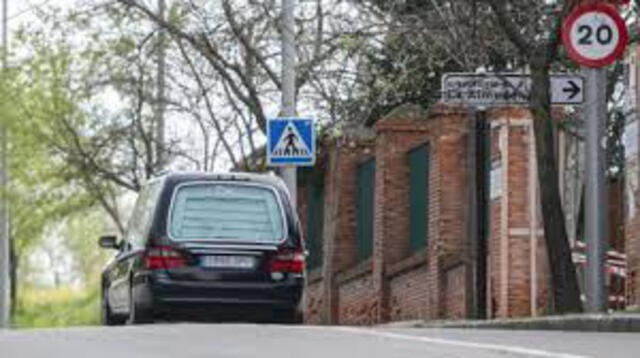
(630, 139)
(496, 178)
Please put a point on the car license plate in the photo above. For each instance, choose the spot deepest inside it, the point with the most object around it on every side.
(235, 262)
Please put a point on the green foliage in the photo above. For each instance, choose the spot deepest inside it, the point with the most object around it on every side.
(80, 233)
(40, 191)
(62, 307)
(177, 15)
(422, 41)
(403, 7)
(77, 301)
(45, 115)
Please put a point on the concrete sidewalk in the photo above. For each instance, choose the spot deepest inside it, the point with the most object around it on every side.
(616, 322)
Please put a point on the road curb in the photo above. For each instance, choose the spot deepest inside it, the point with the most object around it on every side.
(582, 323)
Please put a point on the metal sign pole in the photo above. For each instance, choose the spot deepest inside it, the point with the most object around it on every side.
(289, 173)
(595, 198)
(595, 36)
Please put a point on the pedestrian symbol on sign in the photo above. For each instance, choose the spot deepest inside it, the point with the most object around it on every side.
(291, 141)
(291, 144)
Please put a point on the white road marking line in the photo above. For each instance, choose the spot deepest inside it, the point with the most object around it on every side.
(486, 346)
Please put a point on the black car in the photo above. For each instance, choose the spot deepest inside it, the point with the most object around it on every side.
(211, 245)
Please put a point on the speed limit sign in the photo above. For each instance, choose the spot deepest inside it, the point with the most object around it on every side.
(594, 35)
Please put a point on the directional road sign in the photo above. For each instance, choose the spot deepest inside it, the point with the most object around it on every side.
(494, 89)
(291, 142)
(595, 35)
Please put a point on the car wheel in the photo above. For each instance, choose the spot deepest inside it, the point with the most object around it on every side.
(107, 317)
(137, 313)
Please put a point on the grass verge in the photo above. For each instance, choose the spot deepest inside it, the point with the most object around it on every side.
(58, 307)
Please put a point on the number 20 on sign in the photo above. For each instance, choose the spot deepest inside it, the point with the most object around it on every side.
(595, 35)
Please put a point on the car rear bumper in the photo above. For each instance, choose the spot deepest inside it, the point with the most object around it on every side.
(164, 293)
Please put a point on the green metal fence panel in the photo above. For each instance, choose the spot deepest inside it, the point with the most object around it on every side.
(419, 197)
(365, 209)
(315, 224)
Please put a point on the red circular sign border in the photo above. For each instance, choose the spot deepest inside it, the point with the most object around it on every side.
(617, 19)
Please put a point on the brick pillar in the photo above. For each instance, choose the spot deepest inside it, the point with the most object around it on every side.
(446, 132)
(519, 272)
(449, 191)
(339, 242)
(396, 136)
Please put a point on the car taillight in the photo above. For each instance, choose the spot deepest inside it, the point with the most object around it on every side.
(291, 262)
(164, 258)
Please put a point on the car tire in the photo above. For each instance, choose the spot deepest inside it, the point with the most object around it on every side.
(107, 317)
(137, 313)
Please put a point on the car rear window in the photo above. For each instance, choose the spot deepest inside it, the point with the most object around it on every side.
(226, 212)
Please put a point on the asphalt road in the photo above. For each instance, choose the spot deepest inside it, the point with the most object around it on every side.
(269, 341)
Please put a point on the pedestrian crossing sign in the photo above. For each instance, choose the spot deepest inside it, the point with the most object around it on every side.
(291, 141)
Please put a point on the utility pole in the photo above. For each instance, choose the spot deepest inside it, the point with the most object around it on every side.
(595, 191)
(160, 95)
(5, 264)
(289, 174)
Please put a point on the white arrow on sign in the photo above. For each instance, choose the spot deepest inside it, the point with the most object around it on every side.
(496, 89)
(567, 89)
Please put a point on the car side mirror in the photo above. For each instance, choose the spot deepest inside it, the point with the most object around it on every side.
(109, 242)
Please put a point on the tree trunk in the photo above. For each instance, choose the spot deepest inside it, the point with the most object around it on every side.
(566, 293)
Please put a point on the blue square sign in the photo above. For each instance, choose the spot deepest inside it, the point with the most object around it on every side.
(291, 141)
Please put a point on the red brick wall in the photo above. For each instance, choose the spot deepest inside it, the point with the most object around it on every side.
(314, 303)
(339, 236)
(512, 265)
(359, 303)
(395, 138)
(410, 295)
(616, 215)
(396, 284)
(519, 219)
(420, 291)
(435, 283)
(449, 215)
(349, 155)
(519, 277)
(456, 292)
(451, 188)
